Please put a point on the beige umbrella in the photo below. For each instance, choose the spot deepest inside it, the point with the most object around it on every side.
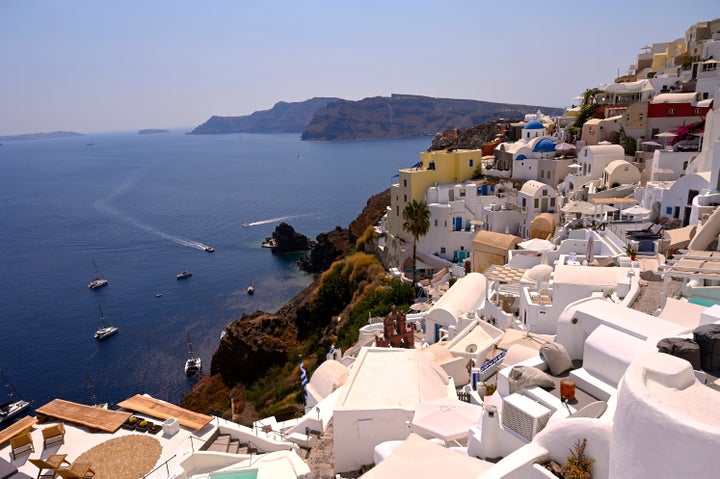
(420, 306)
(446, 418)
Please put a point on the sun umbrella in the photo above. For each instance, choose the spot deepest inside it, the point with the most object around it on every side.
(652, 143)
(537, 244)
(575, 165)
(446, 418)
(420, 306)
(582, 207)
(636, 210)
(564, 147)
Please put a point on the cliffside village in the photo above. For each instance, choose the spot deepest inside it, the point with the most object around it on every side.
(567, 316)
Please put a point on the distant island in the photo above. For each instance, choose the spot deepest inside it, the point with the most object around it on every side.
(284, 117)
(41, 136)
(152, 131)
(396, 116)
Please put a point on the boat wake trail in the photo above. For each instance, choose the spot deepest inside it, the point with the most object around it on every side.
(275, 220)
(103, 204)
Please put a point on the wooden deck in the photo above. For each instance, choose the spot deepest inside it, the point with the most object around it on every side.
(92, 417)
(20, 426)
(163, 410)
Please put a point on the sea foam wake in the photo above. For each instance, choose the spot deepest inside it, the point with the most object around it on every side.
(104, 205)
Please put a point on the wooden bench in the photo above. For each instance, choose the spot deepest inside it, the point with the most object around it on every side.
(18, 428)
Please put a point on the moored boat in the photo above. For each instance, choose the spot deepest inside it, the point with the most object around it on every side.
(184, 274)
(104, 331)
(98, 281)
(13, 407)
(193, 364)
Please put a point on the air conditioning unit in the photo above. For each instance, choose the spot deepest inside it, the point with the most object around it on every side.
(523, 415)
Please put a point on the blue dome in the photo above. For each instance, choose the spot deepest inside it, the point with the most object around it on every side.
(545, 145)
(521, 157)
(534, 125)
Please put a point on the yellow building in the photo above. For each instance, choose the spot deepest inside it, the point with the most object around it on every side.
(436, 167)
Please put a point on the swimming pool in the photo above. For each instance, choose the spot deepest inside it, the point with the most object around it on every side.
(249, 474)
(703, 301)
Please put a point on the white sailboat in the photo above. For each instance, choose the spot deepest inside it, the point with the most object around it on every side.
(193, 365)
(98, 281)
(104, 331)
(13, 407)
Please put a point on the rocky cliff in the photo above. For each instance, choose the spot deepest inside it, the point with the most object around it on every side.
(284, 117)
(407, 115)
(260, 342)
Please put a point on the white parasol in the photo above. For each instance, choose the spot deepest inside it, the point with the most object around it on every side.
(446, 418)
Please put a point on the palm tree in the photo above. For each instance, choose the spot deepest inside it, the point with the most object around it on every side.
(417, 222)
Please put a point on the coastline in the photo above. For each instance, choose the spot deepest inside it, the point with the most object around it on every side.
(262, 341)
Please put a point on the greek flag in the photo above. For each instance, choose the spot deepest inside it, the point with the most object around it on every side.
(303, 378)
(331, 354)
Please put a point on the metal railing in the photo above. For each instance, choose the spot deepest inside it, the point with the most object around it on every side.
(167, 468)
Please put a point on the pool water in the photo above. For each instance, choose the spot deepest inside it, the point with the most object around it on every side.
(249, 474)
(703, 301)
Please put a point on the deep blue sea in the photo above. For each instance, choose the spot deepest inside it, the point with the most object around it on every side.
(142, 207)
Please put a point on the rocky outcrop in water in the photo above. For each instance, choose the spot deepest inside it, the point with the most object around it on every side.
(286, 240)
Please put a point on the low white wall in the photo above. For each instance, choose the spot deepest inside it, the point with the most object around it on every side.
(666, 423)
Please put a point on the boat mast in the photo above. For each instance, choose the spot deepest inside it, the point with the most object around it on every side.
(192, 355)
(97, 273)
(91, 386)
(10, 393)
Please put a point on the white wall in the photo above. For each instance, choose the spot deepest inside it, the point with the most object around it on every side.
(360, 431)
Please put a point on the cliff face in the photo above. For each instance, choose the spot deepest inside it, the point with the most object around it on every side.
(407, 115)
(284, 117)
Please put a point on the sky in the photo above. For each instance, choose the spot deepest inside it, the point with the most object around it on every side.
(95, 66)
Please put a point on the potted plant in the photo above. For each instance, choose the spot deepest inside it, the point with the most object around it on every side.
(631, 251)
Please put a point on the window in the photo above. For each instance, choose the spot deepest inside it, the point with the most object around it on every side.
(668, 210)
(442, 250)
(691, 194)
(671, 111)
(405, 198)
(470, 162)
(397, 211)
(436, 222)
(462, 192)
(544, 192)
(552, 202)
(405, 182)
(537, 203)
(697, 111)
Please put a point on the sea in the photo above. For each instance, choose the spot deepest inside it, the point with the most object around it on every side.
(142, 208)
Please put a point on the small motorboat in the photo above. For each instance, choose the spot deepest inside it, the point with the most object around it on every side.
(158, 295)
(209, 249)
(251, 289)
(184, 274)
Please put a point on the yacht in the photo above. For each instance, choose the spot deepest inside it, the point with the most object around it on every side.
(209, 249)
(193, 365)
(184, 274)
(104, 331)
(13, 407)
(98, 281)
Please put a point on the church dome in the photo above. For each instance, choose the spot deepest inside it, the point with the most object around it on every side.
(534, 125)
(545, 145)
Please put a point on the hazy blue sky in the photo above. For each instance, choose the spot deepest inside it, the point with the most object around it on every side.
(93, 65)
